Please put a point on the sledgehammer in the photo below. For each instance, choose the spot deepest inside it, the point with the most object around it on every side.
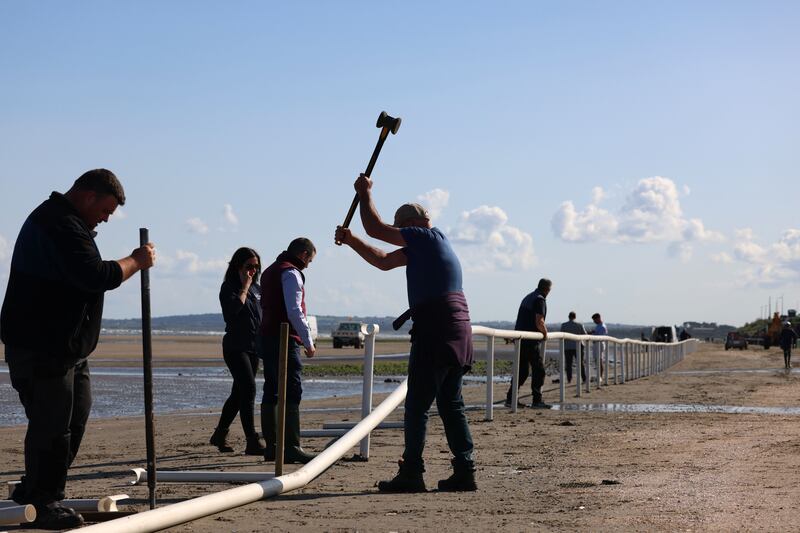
(386, 123)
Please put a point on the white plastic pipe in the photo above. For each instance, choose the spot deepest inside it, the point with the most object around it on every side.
(351, 425)
(17, 514)
(366, 391)
(561, 377)
(489, 378)
(201, 476)
(104, 504)
(515, 375)
(179, 513)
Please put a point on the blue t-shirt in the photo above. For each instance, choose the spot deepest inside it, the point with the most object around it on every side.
(433, 268)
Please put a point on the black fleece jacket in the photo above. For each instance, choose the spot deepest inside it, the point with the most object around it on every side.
(54, 299)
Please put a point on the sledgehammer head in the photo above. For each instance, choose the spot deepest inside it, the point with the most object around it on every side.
(386, 121)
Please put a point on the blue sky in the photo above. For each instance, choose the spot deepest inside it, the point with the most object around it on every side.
(642, 155)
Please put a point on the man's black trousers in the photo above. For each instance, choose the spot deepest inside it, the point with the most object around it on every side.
(57, 401)
(530, 357)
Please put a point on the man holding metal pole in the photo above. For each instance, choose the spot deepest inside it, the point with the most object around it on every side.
(283, 299)
(50, 324)
(441, 339)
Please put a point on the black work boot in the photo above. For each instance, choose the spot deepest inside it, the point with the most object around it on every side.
(220, 440)
(55, 516)
(462, 480)
(255, 445)
(406, 480)
(268, 416)
(293, 452)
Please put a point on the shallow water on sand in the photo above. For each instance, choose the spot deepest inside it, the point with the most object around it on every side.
(119, 391)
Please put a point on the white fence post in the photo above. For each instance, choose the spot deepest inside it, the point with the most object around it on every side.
(561, 378)
(489, 378)
(579, 371)
(515, 376)
(366, 390)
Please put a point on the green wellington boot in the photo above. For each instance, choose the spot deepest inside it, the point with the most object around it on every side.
(268, 417)
(293, 452)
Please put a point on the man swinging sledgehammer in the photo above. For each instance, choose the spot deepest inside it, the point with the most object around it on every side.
(441, 338)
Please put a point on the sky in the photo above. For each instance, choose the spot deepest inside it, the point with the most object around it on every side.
(642, 155)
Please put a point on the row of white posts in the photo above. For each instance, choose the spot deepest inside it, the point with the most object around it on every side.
(623, 359)
(631, 359)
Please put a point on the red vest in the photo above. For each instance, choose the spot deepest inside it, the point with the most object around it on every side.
(273, 304)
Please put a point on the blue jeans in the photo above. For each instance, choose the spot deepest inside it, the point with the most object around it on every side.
(427, 381)
(268, 348)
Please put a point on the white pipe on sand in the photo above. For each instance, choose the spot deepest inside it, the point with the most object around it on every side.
(179, 513)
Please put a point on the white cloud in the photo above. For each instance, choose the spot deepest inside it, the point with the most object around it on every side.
(772, 265)
(591, 224)
(191, 263)
(230, 216)
(487, 242)
(197, 226)
(722, 258)
(5, 250)
(434, 201)
(680, 250)
(120, 214)
(651, 212)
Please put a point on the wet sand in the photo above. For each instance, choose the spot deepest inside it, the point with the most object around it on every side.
(538, 470)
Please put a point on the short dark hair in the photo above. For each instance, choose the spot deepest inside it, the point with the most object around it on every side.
(300, 245)
(544, 283)
(572, 315)
(240, 257)
(101, 181)
(596, 315)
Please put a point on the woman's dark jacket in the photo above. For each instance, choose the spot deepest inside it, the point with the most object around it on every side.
(241, 319)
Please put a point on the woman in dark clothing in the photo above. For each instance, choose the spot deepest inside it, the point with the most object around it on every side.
(240, 297)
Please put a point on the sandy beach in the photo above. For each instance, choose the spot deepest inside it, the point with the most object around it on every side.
(559, 470)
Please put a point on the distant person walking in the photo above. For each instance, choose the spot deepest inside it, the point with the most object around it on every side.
(599, 346)
(441, 338)
(788, 339)
(283, 299)
(50, 324)
(571, 347)
(530, 317)
(240, 298)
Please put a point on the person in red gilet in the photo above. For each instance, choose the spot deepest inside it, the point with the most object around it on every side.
(283, 299)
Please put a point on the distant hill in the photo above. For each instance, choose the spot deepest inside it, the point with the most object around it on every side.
(212, 323)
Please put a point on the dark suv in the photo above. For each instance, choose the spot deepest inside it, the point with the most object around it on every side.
(735, 340)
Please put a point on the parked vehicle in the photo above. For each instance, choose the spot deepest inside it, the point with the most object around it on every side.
(664, 334)
(348, 334)
(735, 340)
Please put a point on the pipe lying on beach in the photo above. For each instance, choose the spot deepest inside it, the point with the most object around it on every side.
(17, 514)
(179, 513)
(106, 504)
(201, 476)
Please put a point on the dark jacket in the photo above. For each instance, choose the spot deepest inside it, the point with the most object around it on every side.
(241, 319)
(788, 338)
(54, 299)
(442, 326)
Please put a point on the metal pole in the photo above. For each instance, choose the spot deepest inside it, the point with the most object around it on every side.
(283, 356)
(366, 391)
(147, 369)
(561, 379)
(489, 378)
(598, 347)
